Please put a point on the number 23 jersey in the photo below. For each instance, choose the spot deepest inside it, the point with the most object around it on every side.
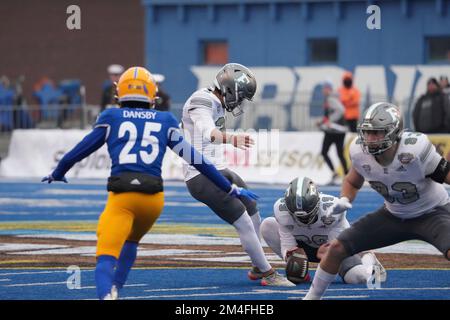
(137, 138)
(407, 191)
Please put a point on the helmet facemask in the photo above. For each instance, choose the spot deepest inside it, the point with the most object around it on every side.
(303, 201)
(378, 146)
(384, 120)
(306, 217)
(236, 83)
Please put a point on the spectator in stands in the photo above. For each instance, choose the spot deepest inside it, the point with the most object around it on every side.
(163, 99)
(445, 85)
(350, 98)
(432, 111)
(109, 88)
(334, 126)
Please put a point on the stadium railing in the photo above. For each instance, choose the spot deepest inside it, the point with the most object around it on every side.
(296, 116)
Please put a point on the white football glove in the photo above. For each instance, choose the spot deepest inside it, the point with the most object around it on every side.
(340, 206)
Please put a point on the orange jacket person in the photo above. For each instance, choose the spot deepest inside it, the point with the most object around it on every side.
(350, 98)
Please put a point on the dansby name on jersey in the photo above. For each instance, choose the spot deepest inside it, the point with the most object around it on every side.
(151, 115)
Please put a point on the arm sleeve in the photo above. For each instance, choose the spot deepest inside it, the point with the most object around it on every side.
(183, 149)
(203, 121)
(104, 120)
(429, 157)
(92, 142)
(338, 110)
(287, 240)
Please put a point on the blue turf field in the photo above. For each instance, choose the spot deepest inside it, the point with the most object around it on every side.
(23, 201)
(215, 284)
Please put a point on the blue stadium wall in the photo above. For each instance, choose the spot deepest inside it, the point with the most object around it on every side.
(275, 33)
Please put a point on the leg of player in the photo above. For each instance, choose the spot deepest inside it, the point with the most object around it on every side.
(104, 273)
(270, 234)
(354, 271)
(256, 219)
(327, 270)
(125, 262)
(250, 243)
(370, 260)
(147, 209)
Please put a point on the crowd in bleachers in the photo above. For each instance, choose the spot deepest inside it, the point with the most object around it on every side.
(57, 102)
(16, 113)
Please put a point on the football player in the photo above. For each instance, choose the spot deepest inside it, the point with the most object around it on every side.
(406, 170)
(301, 223)
(203, 122)
(137, 137)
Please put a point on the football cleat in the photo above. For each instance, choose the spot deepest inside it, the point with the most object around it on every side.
(276, 280)
(114, 293)
(255, 274)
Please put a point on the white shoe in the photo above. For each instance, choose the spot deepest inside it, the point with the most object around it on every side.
(114, 293)
(378, 268)
(276, 280)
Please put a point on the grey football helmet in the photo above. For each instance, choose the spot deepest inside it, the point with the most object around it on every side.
(235, 83)
(302, 200)
(385, 117)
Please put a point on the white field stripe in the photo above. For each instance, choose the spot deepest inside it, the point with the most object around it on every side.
(28, 246)
(35, 284)
(99, 192)
(346, 297)
(182, 289)
(349, 289)
(333, 297)
(184, 204)
(39, 272)
(193, 295)
(70, 192)
(127, 286)
(50, 203)
(4, 280)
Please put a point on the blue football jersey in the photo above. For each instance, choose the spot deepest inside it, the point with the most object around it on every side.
(137, 138)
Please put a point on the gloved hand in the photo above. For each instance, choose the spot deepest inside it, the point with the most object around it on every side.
(241, 192)
(50, 179)
(340, 206)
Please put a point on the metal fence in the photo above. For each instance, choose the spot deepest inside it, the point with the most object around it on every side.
(298, 116)
(53, 116)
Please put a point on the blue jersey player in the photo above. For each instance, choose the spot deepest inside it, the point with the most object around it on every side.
(137, 137)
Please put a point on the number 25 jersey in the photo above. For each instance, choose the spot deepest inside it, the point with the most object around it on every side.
(137, 138)
(404, 184)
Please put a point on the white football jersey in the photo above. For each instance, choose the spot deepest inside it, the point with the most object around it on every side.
(408, 193)
(202, 113)
(324, 229)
